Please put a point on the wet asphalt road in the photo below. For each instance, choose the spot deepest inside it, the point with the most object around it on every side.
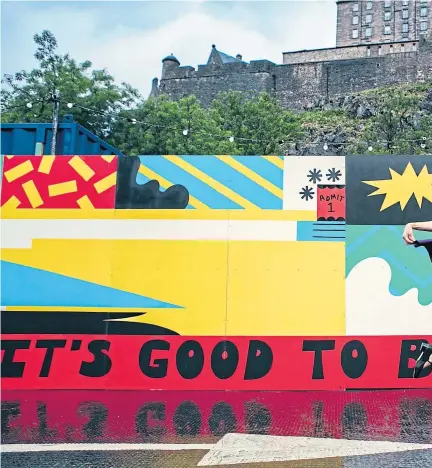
(203, 418)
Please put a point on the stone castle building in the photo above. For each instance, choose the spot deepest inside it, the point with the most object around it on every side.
(378, 43)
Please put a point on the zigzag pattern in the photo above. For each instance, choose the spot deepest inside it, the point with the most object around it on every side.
(411, 268)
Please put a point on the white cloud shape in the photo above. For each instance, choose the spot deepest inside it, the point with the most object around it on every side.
(372, 310)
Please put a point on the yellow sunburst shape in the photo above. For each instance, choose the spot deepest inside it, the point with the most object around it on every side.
(401, 187)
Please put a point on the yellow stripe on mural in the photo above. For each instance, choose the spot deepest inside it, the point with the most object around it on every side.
(18, 171)
(84, 203)
(106, 183)
(276, 160)
(145, 171)
(12, 203)
(46, 164)
(225, 191)
(77, 213)
(64, 187)
(264, 183)
(32, 194)
(81, 168)
(107, 158)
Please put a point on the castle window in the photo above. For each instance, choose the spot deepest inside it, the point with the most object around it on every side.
(368, 18)
(355, 19)
(405, 14)
(368, 32)
(355, 34)
(405, 3)
(387, 30)
(405, 27)
(379, 50)
(423, 11)
(368, 52)
(423, 26)
(369, 6)
(387, 16)
(356, 7)
(414, 47)
(387, 3)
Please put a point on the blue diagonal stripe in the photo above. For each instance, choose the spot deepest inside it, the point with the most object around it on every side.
(236, 181)
(264, 168)
(141, 179)
(196, 187)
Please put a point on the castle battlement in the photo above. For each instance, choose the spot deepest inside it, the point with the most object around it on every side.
(308, 76)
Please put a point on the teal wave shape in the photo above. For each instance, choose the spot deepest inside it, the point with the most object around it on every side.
(410, 267)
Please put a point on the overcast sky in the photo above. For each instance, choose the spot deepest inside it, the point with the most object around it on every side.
(131, 38)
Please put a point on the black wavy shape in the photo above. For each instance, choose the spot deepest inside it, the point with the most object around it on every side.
(79, 323)
(130, 195)
(427, 244)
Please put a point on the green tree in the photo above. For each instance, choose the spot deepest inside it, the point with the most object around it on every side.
(76, 82)
(161, 126)
(259, 123)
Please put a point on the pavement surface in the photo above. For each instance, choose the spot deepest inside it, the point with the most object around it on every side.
(175, 429)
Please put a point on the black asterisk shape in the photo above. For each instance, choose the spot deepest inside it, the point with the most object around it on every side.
(334, 174)
(315, 175)
(307, 193)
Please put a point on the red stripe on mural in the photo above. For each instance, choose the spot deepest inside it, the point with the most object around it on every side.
(210, 363)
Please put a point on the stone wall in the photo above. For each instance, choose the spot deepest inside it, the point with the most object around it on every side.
(348, 52)
(299, 86)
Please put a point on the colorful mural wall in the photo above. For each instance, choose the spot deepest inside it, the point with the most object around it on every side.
(214, 272)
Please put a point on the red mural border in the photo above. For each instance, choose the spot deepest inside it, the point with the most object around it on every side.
(126, 362)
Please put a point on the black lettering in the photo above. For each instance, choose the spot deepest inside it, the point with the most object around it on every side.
(9, 367)
(319, 429)
(101, 363)
(257, 418)
(224, 359)
(187, 419)
(50, 346)
(222, 419)
(354, 367)
(9, 410)
(322, 198)
(415, 420)
(160, 366)
(45, 434)
(190, 359)
(406, 372)
(76, 345)
(259, 360)
(318, 346)
(158, 412)
(354, 421)
(98, 415)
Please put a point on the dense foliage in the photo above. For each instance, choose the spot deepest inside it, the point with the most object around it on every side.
(390, 120)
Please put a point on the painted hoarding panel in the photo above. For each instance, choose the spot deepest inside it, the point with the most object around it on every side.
(243, 257)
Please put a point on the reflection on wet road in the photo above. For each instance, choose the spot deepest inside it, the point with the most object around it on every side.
(75, 417)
